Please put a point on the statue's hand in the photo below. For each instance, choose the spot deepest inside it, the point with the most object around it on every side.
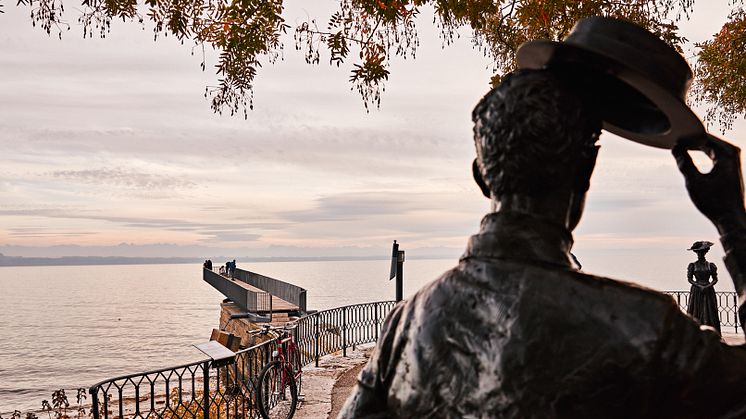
(718, 194)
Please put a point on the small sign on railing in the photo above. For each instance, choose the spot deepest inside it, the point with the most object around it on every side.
(219, 354)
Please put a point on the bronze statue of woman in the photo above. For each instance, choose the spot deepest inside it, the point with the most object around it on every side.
(703, 304)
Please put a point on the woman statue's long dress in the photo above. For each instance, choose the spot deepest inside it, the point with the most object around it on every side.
(703, 304)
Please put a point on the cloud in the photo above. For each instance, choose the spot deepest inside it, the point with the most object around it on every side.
(228, 231)
(420, 219)
(396, 150)
(358, 205)
(229, 236)
(125, 178)
(40, 232)
(617, 202)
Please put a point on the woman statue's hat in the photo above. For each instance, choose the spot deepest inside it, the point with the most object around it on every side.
(641, 81)
(702, 245)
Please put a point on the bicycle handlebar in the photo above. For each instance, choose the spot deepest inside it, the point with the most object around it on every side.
(265, 329)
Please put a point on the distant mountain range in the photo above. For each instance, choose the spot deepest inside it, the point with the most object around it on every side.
(122, 260)
(89, 260)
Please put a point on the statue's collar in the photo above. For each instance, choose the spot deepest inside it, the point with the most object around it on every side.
(521, 237)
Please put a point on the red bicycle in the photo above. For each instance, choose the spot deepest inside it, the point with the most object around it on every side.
(279, 381)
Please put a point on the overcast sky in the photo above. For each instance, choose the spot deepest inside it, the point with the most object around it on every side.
(109, 147)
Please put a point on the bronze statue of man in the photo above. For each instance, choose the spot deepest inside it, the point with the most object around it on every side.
(515, 331)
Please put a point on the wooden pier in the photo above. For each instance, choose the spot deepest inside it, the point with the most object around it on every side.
(258, 294)
(278, 304)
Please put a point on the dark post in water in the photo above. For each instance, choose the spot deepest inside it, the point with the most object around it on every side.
(397, 270)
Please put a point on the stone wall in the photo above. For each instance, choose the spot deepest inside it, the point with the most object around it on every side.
(242, 327)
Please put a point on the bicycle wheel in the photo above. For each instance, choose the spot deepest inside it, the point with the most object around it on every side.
(277, 394)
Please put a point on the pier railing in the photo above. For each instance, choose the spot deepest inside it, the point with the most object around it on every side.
(291, 293)
(205, 389)
(255, 300)
(727, 306)
(251, 301)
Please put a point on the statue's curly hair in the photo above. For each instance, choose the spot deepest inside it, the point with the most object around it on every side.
(534, 133)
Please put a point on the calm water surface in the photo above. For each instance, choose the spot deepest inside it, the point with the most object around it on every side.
(72, 326)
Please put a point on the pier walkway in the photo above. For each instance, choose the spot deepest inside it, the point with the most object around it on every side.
(278, 304)
(259, 294)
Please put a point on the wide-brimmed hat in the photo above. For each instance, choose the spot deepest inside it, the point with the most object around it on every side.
(641, 81)
(701, 245)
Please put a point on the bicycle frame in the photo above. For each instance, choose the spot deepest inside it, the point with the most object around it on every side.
(286, 345)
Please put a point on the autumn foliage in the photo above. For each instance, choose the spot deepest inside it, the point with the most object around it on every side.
(721, 71)
(369, 33)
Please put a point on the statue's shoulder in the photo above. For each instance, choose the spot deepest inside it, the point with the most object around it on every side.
(626, 292)
(433, 303)
(442, 289)
(452, 278)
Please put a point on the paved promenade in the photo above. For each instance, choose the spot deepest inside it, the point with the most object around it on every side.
(326, 388)
(733, 338)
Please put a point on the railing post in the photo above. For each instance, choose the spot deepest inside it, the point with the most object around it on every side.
(94, 399)
(206, 390)
(376, 324)
(735, 310)
(302, 300)
(316, 339)
(344, 331)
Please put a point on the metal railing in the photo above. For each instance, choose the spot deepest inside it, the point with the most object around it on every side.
(264, 302)
(337, 329)
(204, 389)
(200, 389)
(727, 306)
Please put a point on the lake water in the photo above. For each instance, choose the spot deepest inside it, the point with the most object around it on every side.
(72, 326)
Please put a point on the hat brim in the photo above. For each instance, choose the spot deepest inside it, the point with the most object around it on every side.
(633, 106)
(703, 246)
